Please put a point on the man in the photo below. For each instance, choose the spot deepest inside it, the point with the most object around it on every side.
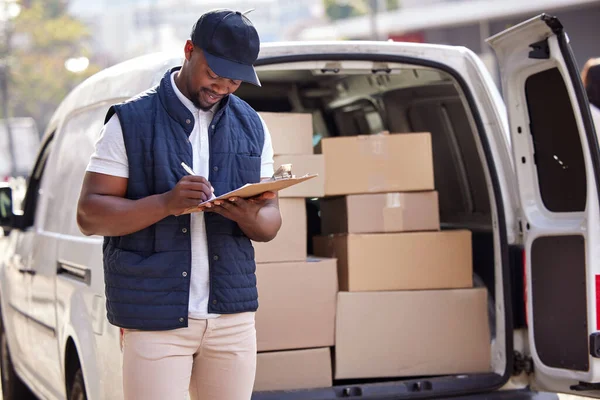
(590, 76)
(183, 286)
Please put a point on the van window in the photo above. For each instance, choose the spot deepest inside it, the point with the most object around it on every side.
(26, 142)
(359, 118)
(558, 153)
(35, 183)
(73, 149)
(459, 178)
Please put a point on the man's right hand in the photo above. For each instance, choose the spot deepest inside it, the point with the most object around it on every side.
(190, 191)
(103, 209)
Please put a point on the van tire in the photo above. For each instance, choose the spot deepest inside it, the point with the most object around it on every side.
(13, 387)
(77, 391)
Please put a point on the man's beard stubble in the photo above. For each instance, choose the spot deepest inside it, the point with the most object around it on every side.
(196, 101)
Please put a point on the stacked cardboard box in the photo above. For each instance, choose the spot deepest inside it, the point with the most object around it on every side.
(291, 370)
(406, 285)
(292, 139)
(295, 321)
(291, 136)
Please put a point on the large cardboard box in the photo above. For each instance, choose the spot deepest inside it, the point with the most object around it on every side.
(290, 244)
(293, 370)
(378, 164)
(291, 133)
(378, 213)
(296, 304)
(304, 164)
(412, 333)
(400, 261)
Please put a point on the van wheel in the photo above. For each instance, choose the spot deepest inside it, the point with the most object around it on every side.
(13, 387)
(78, 387)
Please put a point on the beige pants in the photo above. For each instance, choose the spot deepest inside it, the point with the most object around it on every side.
(215, 359)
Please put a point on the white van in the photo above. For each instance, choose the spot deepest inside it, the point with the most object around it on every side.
(527, 186)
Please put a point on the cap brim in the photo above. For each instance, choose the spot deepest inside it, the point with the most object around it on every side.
(231, 69)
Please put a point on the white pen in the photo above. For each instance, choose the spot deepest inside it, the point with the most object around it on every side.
(191, 172)
(187, 169)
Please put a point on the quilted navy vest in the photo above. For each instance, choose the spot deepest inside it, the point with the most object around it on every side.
(147, 273)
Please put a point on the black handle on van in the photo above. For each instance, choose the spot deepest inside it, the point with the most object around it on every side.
(27, 271)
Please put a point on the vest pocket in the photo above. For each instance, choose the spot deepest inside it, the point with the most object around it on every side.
(248, 167)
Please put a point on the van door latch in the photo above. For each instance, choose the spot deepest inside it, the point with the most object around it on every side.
(331, 68)
(379, 68)
(522, 363)
(352, 392)
(595, 344)
(421, 386)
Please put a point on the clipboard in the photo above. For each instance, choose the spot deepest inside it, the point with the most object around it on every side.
(281, 179)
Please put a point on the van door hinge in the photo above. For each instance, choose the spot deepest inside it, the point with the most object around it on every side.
(522, 363)
(540, 50)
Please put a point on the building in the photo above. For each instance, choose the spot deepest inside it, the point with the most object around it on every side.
(468, 23)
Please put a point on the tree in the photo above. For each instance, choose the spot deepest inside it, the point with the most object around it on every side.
(392, 5)
(340, 9)
(44, 36)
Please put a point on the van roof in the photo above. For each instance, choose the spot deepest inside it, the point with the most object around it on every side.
(129, 78)
(121, 81)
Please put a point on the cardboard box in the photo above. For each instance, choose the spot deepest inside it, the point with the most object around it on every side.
(378, 213)
(290, 244)
(293, 370)
(304, 164)
(291, 133)
(296, 304)
(378, 164)
(412, 333)
(400, 261)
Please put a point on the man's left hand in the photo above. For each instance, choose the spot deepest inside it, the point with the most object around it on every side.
(242, 211)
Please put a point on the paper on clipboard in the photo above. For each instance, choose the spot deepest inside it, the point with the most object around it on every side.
(254, 189)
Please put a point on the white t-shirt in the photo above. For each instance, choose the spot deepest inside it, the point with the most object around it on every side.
(110, 158)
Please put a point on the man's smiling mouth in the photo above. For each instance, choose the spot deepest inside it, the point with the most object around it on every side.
(213, 97)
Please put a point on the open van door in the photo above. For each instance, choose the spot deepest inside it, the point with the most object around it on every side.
(557, 164)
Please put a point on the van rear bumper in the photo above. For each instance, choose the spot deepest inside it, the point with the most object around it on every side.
(338, 393)
(512, 395)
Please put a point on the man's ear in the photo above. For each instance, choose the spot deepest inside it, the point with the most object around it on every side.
(188, 49)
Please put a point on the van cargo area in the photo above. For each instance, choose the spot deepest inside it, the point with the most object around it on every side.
(401, 211)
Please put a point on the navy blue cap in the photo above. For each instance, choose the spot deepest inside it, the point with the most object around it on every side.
(230, 44)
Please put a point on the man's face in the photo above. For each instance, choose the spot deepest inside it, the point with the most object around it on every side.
(204, 87)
